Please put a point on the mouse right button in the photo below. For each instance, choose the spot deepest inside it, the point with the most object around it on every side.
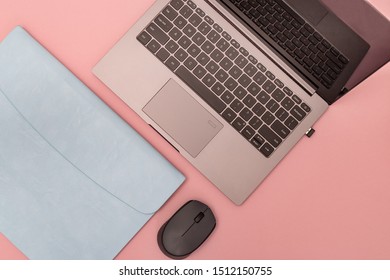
(200, 231)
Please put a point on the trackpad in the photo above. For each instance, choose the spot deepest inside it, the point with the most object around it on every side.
(183, 118)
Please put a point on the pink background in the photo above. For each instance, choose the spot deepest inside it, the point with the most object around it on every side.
(328, 199)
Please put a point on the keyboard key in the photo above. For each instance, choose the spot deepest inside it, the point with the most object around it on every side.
(291, 123)
(209, 80)
(177, 4)
(280, 129)
(157, 33)
(298, 113)
(259, 78)
(279, 83)
(217, 28)
(249, 101)
(163, 54)
(198, 39)
(208, 96)
(163, 23)
(231, 84)
(172, 63)
(269, 87)
(212, 67)
(259, 110)
(281, 114)
(334, 59)
(305, 107)
(223, 45)
(213, 36)
(254, 89)
(218, 88)
(246, 114)
(207, 47)
(217, 55)
(250, 70)
(268, 118)
(184, 42)
(287, 103)
(209, 20)
(244, 80)
(270, 75)
(228, 97)
(296, 24)
(191, 4)
(226, 64)
(144, 38)
(267, 150)
(221, 75)
(190, 63)
(193, 50)
(180, 22)
(272, 106)
(243, 51)
(263, 97)
(170, 13)
(304, 32)
(270, 136)
(175, 33)
(226, 36)
(171, 46)
(235, 44)
(241, 61)
(333, 66)
(232, 53)
(261, 67)
(255, 123)
(248, 132)
(326, 44)
(305, 41)
(229, 115)
(297, 99)
(287, 91)
(317, 70)
(278, 95)
(203, 59)
(235, 72)
(343, 59)
(240, 92)
(154, 46)
(189, 30)
(236, 105)
(199, 72)
(238, 124)
(195, 20)
(257, 141)
(204, 28)
(253, 59)
(186, 12)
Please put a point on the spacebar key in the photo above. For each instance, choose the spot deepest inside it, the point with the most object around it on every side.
(207, 95)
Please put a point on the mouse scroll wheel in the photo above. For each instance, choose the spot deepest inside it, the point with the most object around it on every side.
(199, 217)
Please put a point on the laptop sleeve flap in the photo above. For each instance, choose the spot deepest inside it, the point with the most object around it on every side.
(82, 128)
(76, 182)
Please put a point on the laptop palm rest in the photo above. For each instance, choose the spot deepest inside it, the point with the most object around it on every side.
(183, 118)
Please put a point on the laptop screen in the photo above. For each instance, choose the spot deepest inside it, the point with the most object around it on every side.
(372, 26)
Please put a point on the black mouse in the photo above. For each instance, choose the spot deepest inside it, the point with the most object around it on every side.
(186, 230)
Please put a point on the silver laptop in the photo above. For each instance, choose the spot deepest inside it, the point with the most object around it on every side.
(234, 85)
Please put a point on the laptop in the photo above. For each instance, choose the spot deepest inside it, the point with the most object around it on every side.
(233, 85)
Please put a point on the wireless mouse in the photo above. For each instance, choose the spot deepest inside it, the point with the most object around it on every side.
(186, 230)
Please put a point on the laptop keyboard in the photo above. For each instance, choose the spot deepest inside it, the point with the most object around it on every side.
(300, 41)
(224, 74)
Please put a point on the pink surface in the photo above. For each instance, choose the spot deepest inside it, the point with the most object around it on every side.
(328, 199)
